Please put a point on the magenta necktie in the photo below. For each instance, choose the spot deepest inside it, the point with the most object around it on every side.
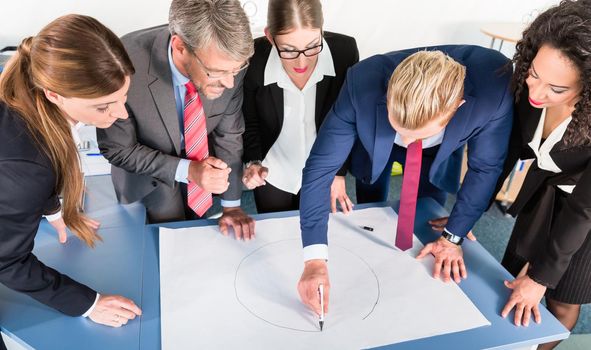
(196, 147)
(408, 195)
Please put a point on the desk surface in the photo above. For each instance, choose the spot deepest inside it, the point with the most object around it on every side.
(127, 263)
(113, 267)
(506, 31)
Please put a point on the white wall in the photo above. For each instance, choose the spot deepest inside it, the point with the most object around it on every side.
(378, 25)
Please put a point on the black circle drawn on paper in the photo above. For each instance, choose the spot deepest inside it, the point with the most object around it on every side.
(296, 329)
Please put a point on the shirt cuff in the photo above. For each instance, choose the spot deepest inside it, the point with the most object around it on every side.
(182, 171)
(53, 217)
(87, 313)
(316, 251)
(230, 204)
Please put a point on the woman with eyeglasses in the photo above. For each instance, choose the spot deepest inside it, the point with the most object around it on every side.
(74, 71)
(293, 80)
(549, 251)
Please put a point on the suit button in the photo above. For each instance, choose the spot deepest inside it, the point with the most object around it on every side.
(154, 183)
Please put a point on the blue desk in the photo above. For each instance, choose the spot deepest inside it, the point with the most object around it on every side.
(113, 267)
(127, 263)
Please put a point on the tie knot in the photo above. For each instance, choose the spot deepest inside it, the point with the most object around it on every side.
(191, 90)
(418, 144)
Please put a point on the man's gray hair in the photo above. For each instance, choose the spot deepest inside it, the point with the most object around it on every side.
(223, 22)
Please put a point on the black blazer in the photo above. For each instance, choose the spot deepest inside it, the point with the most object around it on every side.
(27, 191)
(552, 233)
(263, 105)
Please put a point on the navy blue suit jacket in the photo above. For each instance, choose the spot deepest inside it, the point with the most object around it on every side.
(358, 124)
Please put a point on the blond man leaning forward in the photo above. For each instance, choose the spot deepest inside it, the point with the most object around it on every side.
(440, 98)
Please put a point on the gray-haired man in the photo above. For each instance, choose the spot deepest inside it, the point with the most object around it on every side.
(156, 153)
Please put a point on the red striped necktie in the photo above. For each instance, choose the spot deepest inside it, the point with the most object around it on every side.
(196, 146)
(408, 195)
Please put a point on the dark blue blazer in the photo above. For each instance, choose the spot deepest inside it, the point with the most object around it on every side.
(27, 191)
(358, 123)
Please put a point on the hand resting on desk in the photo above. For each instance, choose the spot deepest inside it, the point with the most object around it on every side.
(114, 311)
(60, 226)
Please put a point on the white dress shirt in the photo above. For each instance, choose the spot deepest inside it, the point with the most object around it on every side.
(428, 142)
(542, 151)
(287, 156)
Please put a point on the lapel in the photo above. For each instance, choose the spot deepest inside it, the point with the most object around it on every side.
(162, 90)
(321, 91)
(528, 117)
(209, 110)
(277, 98)
(383, 140)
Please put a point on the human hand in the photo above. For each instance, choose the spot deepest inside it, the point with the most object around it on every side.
(448, 257)
(60, 226)
(525, 298)
(338, 192)
(242, 224)
(211, 174)
(114, 310)
(438, 224)
(315, 273)
(254, 176)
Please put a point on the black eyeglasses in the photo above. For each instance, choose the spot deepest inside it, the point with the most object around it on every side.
(293, 54)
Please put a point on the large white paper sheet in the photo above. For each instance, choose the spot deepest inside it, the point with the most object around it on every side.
(216, 292)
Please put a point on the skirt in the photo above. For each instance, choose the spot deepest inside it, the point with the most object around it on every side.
(574, 286)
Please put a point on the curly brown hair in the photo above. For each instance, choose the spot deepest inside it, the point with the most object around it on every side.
(566, 27)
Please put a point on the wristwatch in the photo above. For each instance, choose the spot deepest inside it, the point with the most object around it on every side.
(450, 237)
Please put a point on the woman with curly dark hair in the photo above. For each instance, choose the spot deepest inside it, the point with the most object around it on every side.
(550, 248)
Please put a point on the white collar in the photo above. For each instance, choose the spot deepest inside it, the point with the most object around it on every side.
(543, 152)
(428, 142)
(75, 131)
(552, 139)
(274, 72)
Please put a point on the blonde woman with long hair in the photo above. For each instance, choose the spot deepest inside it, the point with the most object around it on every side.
(74, 71)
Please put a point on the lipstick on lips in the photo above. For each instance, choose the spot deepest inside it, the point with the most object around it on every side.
(300, 70)
(534, 102)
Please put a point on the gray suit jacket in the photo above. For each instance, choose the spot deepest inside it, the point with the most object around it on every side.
(144, 150)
